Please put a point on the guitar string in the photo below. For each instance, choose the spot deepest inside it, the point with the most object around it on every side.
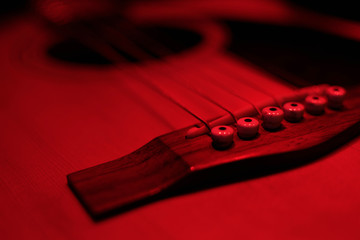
(244, 81)
(165, 51)
(110, 54)
(137, 52)
(124, 42)
(140, 55)
(251, 84)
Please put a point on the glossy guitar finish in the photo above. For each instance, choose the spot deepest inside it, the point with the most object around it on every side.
(60, 117)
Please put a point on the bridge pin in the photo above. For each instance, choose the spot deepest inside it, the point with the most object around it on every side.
(315, 104)
(222, 136)
(293, 111)
(247, 127)
(272, 117)
(335, 96)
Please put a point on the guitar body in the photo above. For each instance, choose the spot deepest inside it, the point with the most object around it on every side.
(59, 117)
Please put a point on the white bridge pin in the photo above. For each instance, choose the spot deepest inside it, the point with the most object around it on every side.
(247, 127)
(315, 104)
(293, 111)
(272, 117)
(335, 96)
(222, 136)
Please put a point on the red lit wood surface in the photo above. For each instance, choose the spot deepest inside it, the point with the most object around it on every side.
(59, 118)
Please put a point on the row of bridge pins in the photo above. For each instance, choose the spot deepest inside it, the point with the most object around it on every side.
(248, 127)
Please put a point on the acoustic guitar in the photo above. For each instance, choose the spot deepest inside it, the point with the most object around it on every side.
(144, 83)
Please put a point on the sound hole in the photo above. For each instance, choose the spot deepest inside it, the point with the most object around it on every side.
(70, 50)
(273, 109)
(316, 98)
(248, 120)
(222, 128)
(294, 104)
(174, 39)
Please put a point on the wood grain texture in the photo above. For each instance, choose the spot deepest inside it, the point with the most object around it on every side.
(143, 173)
(170, 158)
(59, 118)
